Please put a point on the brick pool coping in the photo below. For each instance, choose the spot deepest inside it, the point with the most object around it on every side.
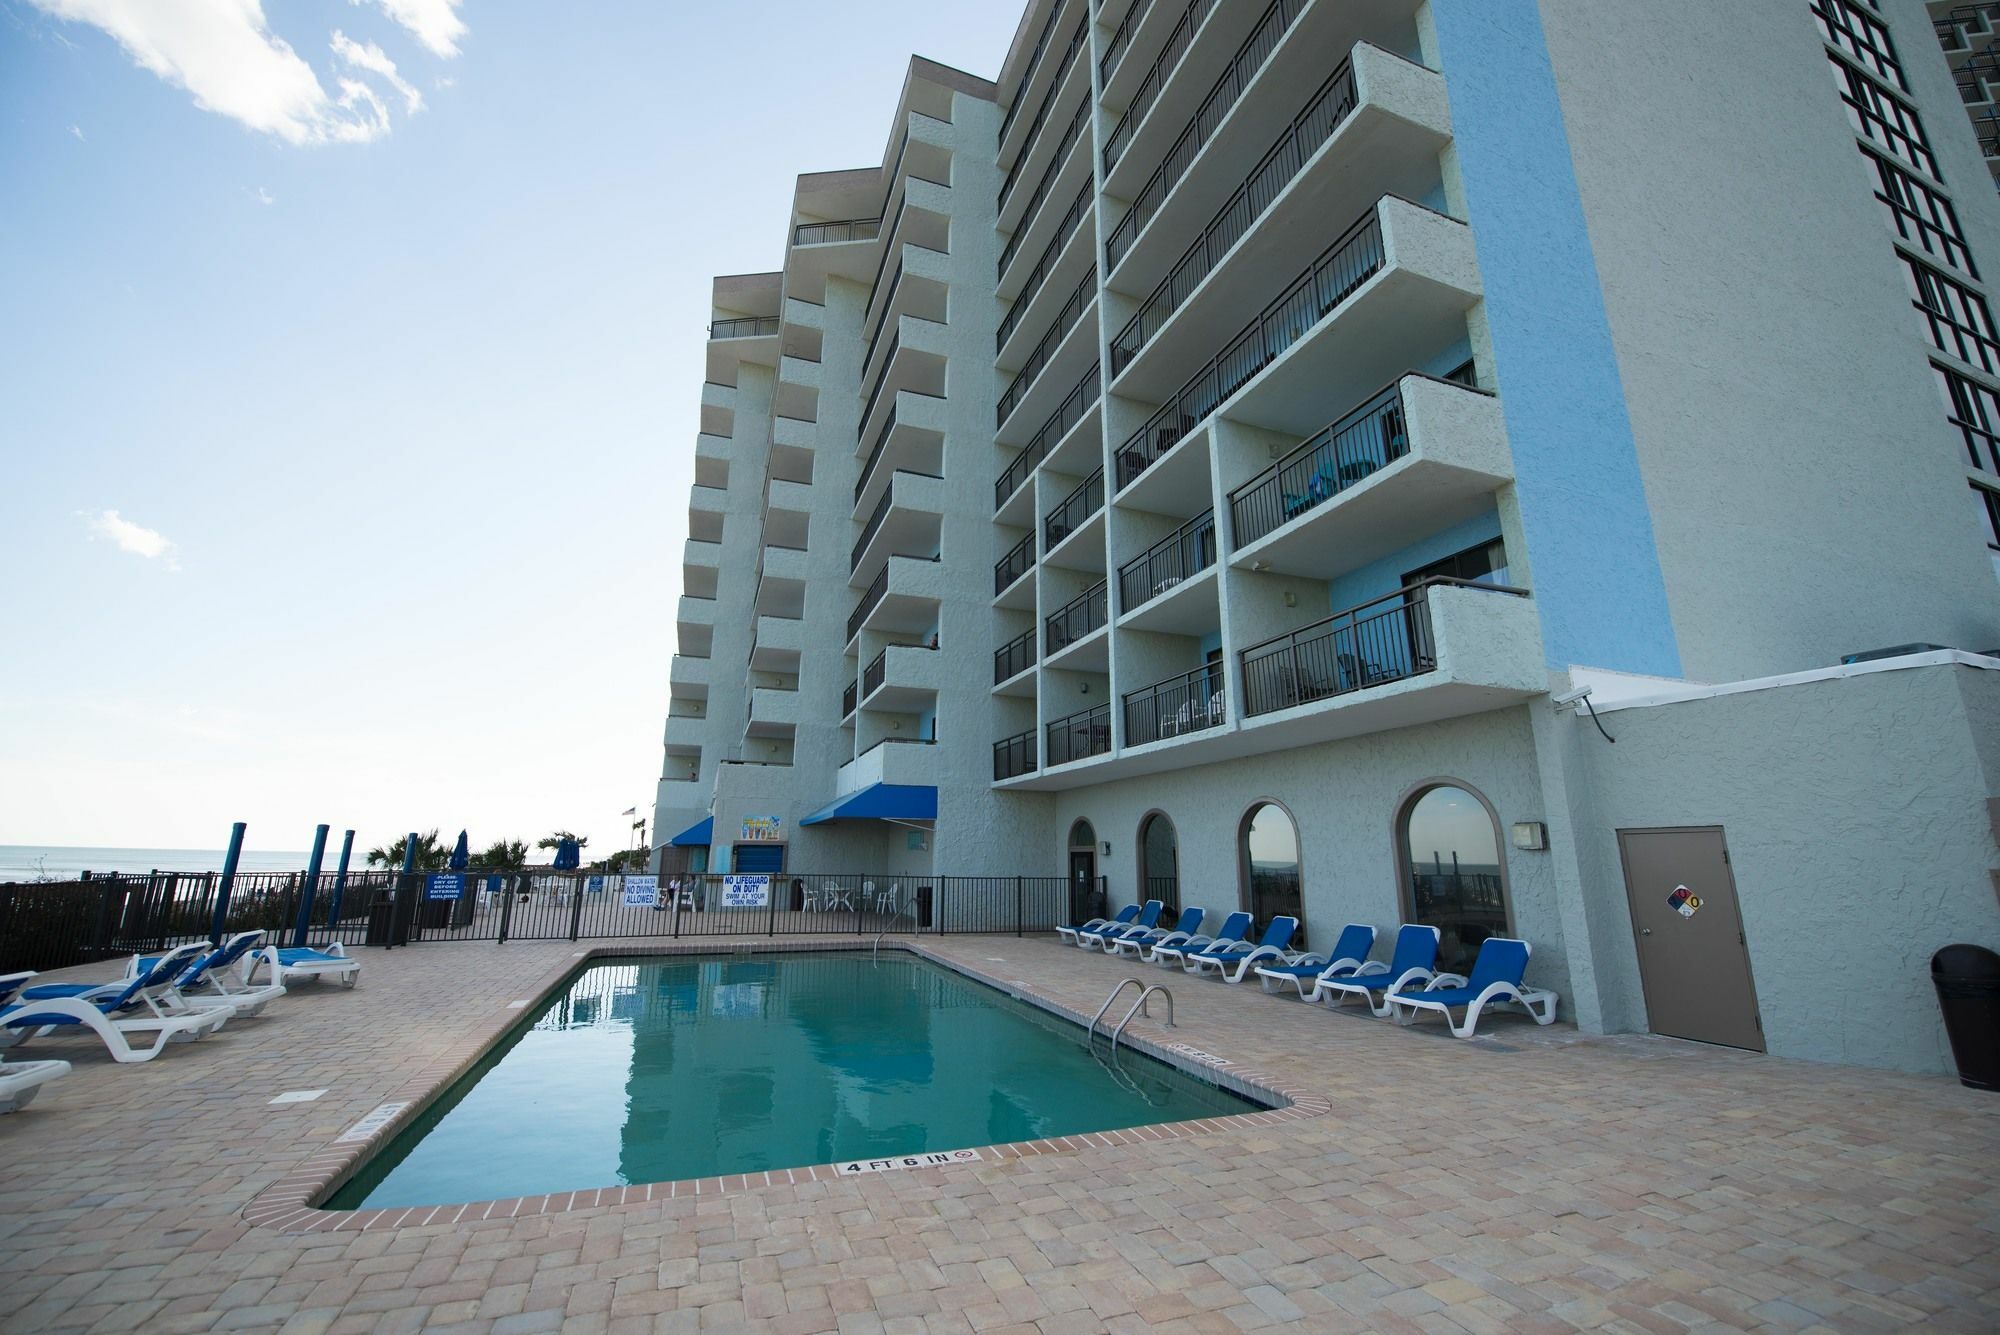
(288, 1205)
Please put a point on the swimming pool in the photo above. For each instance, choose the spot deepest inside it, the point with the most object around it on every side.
(663, 1069)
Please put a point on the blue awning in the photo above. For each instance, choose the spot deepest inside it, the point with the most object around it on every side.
(880, 801)
(698, 835)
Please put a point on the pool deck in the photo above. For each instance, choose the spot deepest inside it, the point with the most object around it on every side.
(1536, 1179)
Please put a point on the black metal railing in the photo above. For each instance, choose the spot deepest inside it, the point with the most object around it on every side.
(1076, 618)
(1331, 106)
(1042, 114)
(848, 699)
(1333, 277)
(873, 594)
(823, 233)
(1068, 413)
(1079, 209)
(1367, 439)
(1182, 554)
(1085, 733)
(1242, 68)
(1020, 558)
(881, 379)
(1025, 223)
(1148, 90)
(1038, 360)
(875, 674)
(1028, 68)
(744, 326)
(1384, 640)
(873, 526)
(1121, 41)
(1014, 657)
(875, 454)
(1188, 702)
(1083, 501)
(1014, 756)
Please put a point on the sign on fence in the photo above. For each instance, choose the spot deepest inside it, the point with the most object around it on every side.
(746, 892)
(761, 830)
(444, 885)
(642, 892)
(595, 885)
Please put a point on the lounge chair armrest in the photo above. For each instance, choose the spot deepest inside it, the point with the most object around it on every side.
(1443, 980)
(1346, 964)
(1370, 968)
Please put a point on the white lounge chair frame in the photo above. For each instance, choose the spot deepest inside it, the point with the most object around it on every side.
(340, 965)
(21, 1081)
(1274, 982)
(113, 1029)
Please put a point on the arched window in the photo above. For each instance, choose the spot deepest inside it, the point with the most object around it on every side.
(1081, 835)
(1453, 876)
(1160, 861)
(1269, 846)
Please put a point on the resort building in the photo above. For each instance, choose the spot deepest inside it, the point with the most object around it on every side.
(1218, 457)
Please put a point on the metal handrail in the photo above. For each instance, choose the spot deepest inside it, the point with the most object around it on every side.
(1031, 287)
(744, 326)
(1067, 414)
(1028, 68)
(1090, 1030)
(1182, 554)
(875, 455)
(1014, 657)
(1022, 225)
(1364, 441)
(1094, 603)
(1114, 50)
(1076, 44)
(1070, 513)
(1140, 1005)
(1084, 722)
(1148, 91)
(823, 233)
(1038, 360)
(1008, 750)
(1020, 558)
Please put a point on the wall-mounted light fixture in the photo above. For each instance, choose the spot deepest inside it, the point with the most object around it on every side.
(1107, 848)
(1291, 599)
(1530, 835)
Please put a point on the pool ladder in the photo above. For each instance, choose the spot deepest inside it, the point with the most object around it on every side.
(1146, 991)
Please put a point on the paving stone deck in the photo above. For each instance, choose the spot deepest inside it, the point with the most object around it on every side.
(1532, 1180)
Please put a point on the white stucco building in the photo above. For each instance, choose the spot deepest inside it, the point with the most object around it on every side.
(1214, 456)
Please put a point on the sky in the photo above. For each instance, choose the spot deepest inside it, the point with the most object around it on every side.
(350, 355)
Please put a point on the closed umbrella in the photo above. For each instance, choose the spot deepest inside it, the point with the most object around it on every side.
(459, 854)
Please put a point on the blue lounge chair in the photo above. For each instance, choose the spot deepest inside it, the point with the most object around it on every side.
(1496, 980)
(206, 985)
(1138, 943)
(1409, 965)
(1229, 934)
(1233, 963)
(1148, 919)
(1308, 972)
(1123, 918)
(115, 1016)
(290, 964)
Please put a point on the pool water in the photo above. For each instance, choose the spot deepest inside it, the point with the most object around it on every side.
(695, 1066)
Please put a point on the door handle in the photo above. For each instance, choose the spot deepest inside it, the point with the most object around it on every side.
(1645, 931)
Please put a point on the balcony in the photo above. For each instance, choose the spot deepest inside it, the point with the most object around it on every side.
(774, 713)
(1079, 736)
(1081, 399)
(1076, 621)
(1158, 73)
(1066, 167)
(711, 461)
(1388, 294)
(688, 678)
(1190, 702)
(701, 567)
(1014, 756)
(850, 698)
(1013, 658)
(910, 439)
(718, 408)
(900, 760)
(836, 233)
(1058, 259)
(1068, 344)
(902, 679)
(1018, 561)
(1017, 151)
(1167, 564)
(908, 518)
(747, 326)
(1073, 511)
(684, 734)
(914, 362)
(706, 507)
(1415, 458)
(796, 394)
(903, 598)
(1120, 43)
(776, 645)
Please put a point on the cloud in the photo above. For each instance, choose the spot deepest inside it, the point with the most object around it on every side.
(261, 195)
(435, 23)
(134, 538)
(225, 55)
(76, 130)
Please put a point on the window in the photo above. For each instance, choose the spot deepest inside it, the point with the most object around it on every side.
(1453, 879)
(1269, 845)
(1975, 411)
(1920, 215)
(1484, 564)
(1159, 861)
(1081, 835)
(1988, 502)
(1882, 119)
(1956, 318)
(1848, 27)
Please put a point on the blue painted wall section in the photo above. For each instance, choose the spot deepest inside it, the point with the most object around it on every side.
(1583, 504)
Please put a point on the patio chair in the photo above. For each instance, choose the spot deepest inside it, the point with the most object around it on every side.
(1309, 972)
(1148, 919)
(206, 984)
(10, 983)
(1496, 980)
(1137, 943)
(113, 1018)
(1168, 955)
(1124, 917)
(21, 1081)
(299, 963)
(1410, 964)
(1233, 963)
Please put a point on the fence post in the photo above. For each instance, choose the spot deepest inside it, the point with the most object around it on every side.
(576, 908)
(771, 898)
(506, 906)
(1019, 892)
(100, 927)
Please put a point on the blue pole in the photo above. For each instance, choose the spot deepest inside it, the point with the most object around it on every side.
(229, 861)
(304, 923)
(404, 884)
(340, 882)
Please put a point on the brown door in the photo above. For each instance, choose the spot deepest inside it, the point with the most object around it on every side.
(1693, 961)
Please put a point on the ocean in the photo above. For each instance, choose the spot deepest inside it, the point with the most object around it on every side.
(38, 862)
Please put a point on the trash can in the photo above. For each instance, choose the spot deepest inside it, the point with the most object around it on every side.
(923, 906)
(1967, 979)
(381, 914)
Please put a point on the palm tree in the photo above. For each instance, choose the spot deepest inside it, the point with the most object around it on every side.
(502, 855)
(431, 855)
(555, 840)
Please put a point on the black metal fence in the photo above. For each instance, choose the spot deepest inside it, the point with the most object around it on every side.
(57, 924)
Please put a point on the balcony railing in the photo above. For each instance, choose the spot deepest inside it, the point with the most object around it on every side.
(1274, 171)
(1076, 618)
(881, 379)
(825, 233)
(1086, 733)
(1243, 67)
(1182, 554)
(1014, 657)
(875, 454)
(877, 589)
(1333, 277)
(1028, 70)
(1079, 209)
(1121, 41)
(1067, 414)
(873, 526)
(1190, 702)
(875, 674)
(848, 699)
(1014, 756)
(1038, 360)
(1042, 115)
(1373, 644)
(1371, 437)
(744, 326)
(1156, 77)
(1072, 510)
(1016, 563)
(1042, 187)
